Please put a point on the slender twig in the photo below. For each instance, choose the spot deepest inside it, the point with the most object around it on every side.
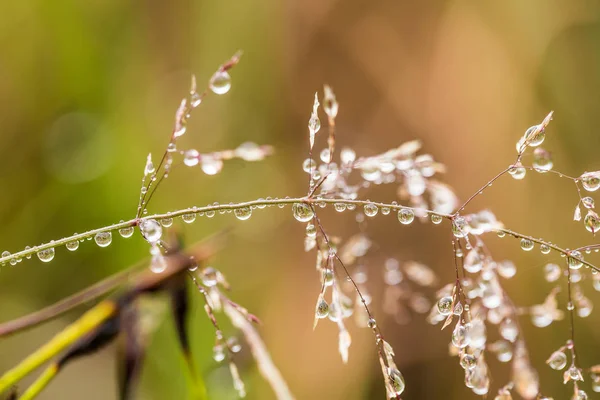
(567, 253)
(194, 210)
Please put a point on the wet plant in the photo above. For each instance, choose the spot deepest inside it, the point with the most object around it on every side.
(474, 305)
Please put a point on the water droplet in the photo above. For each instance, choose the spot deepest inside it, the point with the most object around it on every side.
(309, 165)
(458, 309)
(371, 210)
(467, 361)
(517, 172)
(406, 216)
(302, 212)
(311, 230)
(575, 373)
(166, 222)
(552, 272)
(385, 210)
(591, 181)
(592, 222)
(210, 164)
(243, 213)
(171, 147)
(536, 135)
(219, 352)
(28, 256)
(210, 277)
(191, 217)
(234, 345)
(126, 232)
(72, 245)
(503, 350)
(191, 157)
(575, 259)
(557, 361)
(459, 227)
(396, 381)
(542, 161)
(460, 338)
(545, 249)
(340, 207)
(588, 202)
(372, 323)
(149, 168)
(509, 329)
(220, 82)
(506, 269)
(444, 305)
(195, 99)
(158, 264)
(314, 123)
(322, 308)
(103, 239)
(46, 255)
(324, 155)
(328, 277)
(347, 155)
(527, 244)
(151, 230)
(436, 219)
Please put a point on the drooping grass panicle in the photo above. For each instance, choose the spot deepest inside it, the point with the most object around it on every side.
(475, 303)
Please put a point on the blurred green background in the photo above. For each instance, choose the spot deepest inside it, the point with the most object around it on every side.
(89, 88)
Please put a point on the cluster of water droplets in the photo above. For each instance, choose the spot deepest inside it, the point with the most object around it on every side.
(413, 173)
(590, 182)
(486, 306)
(212, 163)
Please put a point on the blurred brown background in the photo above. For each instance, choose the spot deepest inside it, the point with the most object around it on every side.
(89, 88)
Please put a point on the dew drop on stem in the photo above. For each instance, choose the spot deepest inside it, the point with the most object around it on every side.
(444, 305)
(396, 381)
(220, 82)
(322, 308)
(302, 212)
(103, 239)
(243, 213)
(72, 245)
(527, 244)
(371, 210)
(558, 360)
(46, 255)
(591, 181)
(126, 232)
(592, 222)
(517, 172)
(575, 259)
(340, 207)
(210, 164)
(311, 230)
(189, 218)
(436, 219)
(166, 222)
(406, 216)
(191, 157)
(151, 230)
